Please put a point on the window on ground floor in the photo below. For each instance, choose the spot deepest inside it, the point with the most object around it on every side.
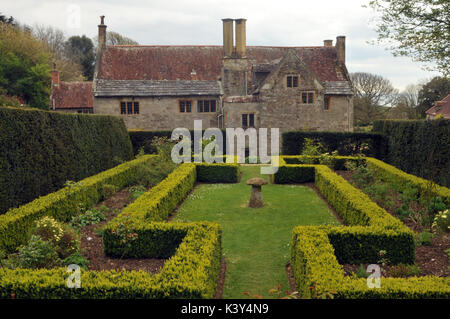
(129, 107)
(307, 97)
(205, 106)
(185, 106)
(248, 120)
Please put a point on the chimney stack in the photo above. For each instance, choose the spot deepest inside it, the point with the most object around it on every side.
(101, 34)
(55, 76)
(340, 48)
(228, 37)
(194, 75)
(327, 43)
(240, 38)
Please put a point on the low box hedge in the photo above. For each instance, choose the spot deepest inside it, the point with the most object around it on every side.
(194, 251)
(317, 252)
(191, 273)
(66, 202)
(391, 173)
(155, 206)
(317, 273)
(217, 173)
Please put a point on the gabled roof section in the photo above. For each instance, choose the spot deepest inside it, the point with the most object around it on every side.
(177, 62)
(290, 57)
(112, 88)
(441, 108)
(72, 95)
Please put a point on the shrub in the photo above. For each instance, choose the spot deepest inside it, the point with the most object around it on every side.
(361, 272)
(91, 216)
(40, 150)
(69, 242)
(441, 223)
(311, 147)
(136, 191)
(423, 238)
(77, 259)
(36, 254)
(107, 191)
(49, 229)
(405, 270)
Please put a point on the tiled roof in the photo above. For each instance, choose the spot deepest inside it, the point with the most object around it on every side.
(156, 88)
(338, 88)
(177, 62)
(441, 107)
(71, 95)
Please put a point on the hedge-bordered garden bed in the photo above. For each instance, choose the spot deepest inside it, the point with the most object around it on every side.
(318, 252)
(193, 249)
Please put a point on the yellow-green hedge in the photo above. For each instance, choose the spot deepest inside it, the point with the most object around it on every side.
(314, 264)
(65, 203)
(192, 272)
(194, 251)
(317, 252)
(391, 173)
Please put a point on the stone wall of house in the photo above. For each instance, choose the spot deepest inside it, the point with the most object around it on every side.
(159, 113)
(282, 107)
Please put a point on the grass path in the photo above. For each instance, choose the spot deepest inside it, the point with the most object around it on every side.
(255, 241)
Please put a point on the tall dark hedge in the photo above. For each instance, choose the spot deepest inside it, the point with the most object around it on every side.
(420, 147)
(40, 151)
(143, 139)
(346, 143)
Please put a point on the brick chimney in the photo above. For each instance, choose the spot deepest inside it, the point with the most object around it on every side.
(194, 75)
(240, 38)
(228, 37)
(340, 48)
(327, 43)
(235, 64)
(101, 34)
(55, 76)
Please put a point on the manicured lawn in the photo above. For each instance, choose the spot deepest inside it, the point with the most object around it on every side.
(255, 241)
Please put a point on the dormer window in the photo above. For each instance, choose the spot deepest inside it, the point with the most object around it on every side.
(292, 81)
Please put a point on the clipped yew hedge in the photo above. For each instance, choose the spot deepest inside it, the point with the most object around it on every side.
(419, 147)
(217, 173)
(346, 143)
(143, 139)
(41, 150)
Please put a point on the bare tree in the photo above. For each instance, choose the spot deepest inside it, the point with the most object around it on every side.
(55, 40)
(408, 100)
(373, 97)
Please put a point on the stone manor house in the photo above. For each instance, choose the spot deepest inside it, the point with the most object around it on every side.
(160, 87)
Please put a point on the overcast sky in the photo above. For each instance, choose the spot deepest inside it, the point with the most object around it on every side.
(197, 22)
